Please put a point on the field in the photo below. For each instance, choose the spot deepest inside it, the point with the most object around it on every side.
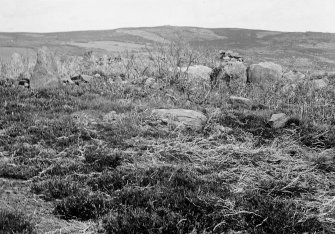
(94, 159)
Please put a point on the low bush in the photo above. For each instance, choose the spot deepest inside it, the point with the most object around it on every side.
(100, 159)
(83, 206)
(21, 172)
(266, 214)
(56, 188)
(13, 222)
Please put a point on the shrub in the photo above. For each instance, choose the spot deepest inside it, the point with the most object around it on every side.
(253, 123)
(56, 188)
(265, 214)
(138, 220)
(317, 137)
(100, 159)
(83, 206)
(13, 222)
(21, 172)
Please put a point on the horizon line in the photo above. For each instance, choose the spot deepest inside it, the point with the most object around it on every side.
(175, 26)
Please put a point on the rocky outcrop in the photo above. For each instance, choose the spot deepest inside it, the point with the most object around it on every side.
(181, 117)
(45, 74)
(264, 72)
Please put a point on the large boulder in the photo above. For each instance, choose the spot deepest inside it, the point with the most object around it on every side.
(17, 65)
(182, 118)
(197, 71)
(236, 70)
(264, 72)
(228, 71)
(195, 76)
(45, 74)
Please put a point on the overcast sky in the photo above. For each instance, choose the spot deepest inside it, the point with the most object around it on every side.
(69, 15)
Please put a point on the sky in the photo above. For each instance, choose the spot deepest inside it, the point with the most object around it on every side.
(73, 15)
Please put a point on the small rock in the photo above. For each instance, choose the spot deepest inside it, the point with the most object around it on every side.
(67, 81)
(150, 82)
(87, 78)
(80, 79)
(110, 117)
(289, 88)
(86, 118)
(279, 120)
(241, 102)
(182, 117)
(320, 83)
(294, 76)
(222, 129)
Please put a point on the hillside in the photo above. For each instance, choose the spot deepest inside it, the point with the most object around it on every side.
(158, 142)
(303, 51)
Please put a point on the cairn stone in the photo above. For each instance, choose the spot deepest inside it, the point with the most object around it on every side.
(45, 74)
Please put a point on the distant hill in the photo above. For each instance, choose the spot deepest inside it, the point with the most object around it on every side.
(309, 50)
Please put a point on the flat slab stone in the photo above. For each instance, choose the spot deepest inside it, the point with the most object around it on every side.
(182, 117)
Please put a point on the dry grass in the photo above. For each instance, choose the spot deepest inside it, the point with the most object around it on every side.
(133, 174)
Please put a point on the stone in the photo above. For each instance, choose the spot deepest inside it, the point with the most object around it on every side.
(279, 120)
(197, 71)
(182, 117)
(86, 118)
(196, 77)
(222, 129)
(233, 71)
(24, 82)
(45, 73)
(150, 82)
(241, 102)
(81, 79)
(110, 116)
(294, 76)
(289, 88)
(230, 55)
(228, 71)
(320, 83)
(16, 66)
(264, 72)
(66, 81)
